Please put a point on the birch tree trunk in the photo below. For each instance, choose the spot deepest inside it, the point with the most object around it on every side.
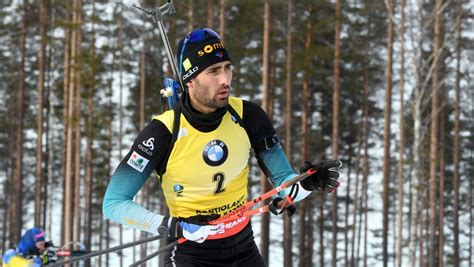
(305, 125)
(90, 139)
(386, 136)
(417, 140)
(69, 175)
(210, 14)
(365, 197)
(365, 173)
(401, 182)
(222, 19)
(46, 196)
(66, 81)
(108, 159)
(16, 203)
(442, 167)
(424, 230)
(265, 219)
(89, 168)
(335, 124)
(39, 132)
(77, 124)
(457, 137)
(432, 257)
(348, 195)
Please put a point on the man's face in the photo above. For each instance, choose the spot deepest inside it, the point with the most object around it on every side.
(41, 246)
(209, 90)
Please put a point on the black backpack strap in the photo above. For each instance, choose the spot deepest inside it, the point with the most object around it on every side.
(237, 118)
(265, 144)
(174, 137)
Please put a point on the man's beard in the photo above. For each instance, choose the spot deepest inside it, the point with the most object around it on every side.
(203, 97)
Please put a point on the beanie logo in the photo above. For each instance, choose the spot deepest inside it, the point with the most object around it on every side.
(190, 72)
(210, 48)
(187, 64)
(219, 54)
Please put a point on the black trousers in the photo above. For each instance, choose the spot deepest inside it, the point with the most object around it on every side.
(237, 250)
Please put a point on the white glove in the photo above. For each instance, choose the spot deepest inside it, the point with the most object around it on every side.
(199, 233)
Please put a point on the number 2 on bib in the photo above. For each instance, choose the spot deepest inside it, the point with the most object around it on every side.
(219, 179)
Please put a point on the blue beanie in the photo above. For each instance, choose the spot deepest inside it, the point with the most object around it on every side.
(27, 244)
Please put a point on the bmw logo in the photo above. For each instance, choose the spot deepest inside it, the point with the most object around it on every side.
(177, 188)
(215, 153)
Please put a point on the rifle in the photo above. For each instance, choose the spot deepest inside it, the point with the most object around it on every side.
(173, 87)
(54, 254)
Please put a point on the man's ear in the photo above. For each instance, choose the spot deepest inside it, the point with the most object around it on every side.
(190, 84)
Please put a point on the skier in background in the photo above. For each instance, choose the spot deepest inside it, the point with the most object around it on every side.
(29, 251)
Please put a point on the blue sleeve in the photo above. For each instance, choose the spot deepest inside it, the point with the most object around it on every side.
(148, 151)
(278, 170)
(118, 204)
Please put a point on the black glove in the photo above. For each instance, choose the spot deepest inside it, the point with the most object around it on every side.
(325, 179)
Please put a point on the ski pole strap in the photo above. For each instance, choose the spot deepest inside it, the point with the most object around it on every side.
(277, 207)
(158, 252)
(98, 253)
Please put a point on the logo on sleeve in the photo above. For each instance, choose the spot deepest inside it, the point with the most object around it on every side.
(147, 146)
(137, 162)
(215, 153)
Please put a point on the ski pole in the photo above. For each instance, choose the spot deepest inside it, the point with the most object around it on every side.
(105, 251)
(158, 252)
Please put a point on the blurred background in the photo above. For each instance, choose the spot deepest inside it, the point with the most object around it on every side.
(385, 86)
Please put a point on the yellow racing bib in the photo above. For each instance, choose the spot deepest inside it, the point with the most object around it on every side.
(207, 173)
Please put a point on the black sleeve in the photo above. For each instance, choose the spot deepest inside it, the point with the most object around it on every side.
(257, 122)
(153, 142)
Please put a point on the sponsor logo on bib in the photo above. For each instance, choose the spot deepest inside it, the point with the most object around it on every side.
(215, 153)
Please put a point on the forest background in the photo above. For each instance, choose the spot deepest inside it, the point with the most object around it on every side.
(385, 86)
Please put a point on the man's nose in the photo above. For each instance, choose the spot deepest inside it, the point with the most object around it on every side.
(225, 78)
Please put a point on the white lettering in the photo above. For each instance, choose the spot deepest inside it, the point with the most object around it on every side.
(144, 149)
(191, 72)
